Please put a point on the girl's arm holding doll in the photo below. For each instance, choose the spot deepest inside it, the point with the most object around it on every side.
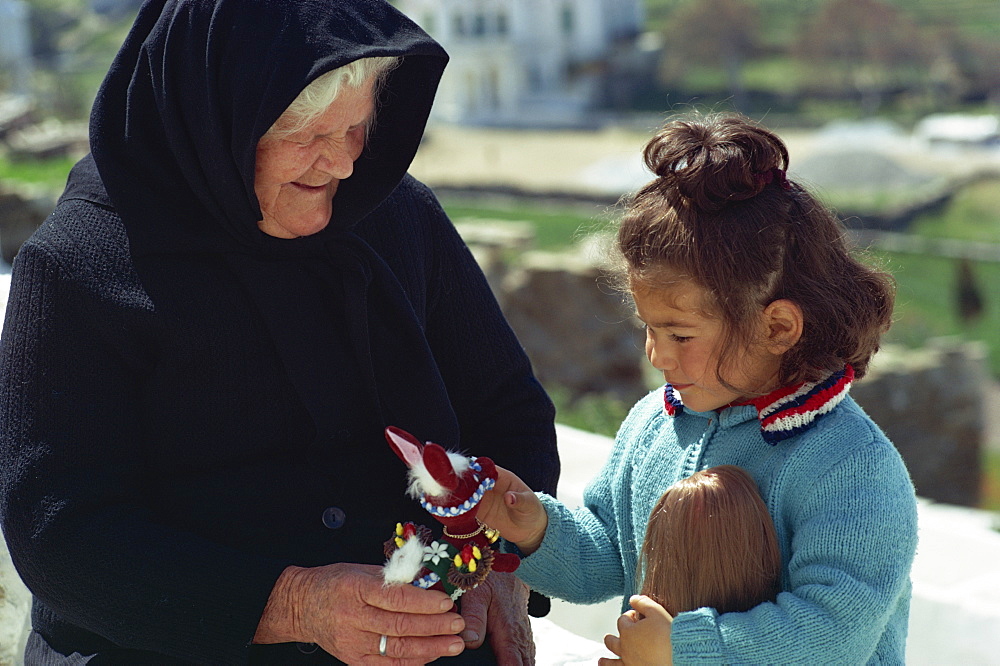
(853, 536)
(851, 518)
(850, 529)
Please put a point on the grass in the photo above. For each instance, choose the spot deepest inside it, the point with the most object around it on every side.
(555, 227)
(926, 303)
(974, 215)
(49, 173)
(991, 480)
(592, 413)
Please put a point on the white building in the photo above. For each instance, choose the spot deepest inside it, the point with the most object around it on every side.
(15, 45)
(525, 61)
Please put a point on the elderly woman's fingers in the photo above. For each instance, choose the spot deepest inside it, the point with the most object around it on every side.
(475, 610)
(373, 591)
(397, 623)
(346, 608)
(506, 618)
(409, 650)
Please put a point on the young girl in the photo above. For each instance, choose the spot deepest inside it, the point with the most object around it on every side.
(759, 320)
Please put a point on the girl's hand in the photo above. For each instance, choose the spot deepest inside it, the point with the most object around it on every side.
(645, 635)
(513, 509)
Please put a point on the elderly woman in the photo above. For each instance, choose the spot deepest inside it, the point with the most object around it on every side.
(238, 290)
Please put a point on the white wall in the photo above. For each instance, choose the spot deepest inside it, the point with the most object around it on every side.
(515, 73)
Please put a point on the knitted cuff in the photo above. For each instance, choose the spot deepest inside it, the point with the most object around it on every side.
(695, 638)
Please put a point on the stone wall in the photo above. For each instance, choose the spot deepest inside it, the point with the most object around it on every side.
(579, 335)
(578, 331)
(22, 209)
(930, 402)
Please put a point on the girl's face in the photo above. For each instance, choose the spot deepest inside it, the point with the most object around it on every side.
(297, 175)
(684, 342)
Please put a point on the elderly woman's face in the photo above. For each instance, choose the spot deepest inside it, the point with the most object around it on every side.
(297, 174)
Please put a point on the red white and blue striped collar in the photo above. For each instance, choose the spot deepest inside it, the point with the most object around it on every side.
(789, 410)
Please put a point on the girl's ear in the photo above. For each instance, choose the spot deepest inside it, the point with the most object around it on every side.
(783, 322)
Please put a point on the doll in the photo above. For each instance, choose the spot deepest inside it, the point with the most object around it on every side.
(711, 542)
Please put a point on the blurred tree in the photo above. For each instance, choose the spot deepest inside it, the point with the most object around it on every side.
(976, 59)
(719, 33)
(863, 48)
(969, 303)
(948, 81)
(73, 47)
(50, 20)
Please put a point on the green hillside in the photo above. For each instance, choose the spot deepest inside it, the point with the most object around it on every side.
(980, 17)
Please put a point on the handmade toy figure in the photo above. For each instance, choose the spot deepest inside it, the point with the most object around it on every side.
(449, 486)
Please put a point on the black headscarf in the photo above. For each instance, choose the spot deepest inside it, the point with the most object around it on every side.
(174, 131)
(196, 84)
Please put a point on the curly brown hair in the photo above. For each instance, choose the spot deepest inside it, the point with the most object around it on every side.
(722, 213)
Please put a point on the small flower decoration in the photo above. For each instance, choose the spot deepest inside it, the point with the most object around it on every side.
(435, 552)
(403, 533)
(468, 557)
(470, 566)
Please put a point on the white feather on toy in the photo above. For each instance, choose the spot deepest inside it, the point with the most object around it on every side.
(422, 483)
(405, 563)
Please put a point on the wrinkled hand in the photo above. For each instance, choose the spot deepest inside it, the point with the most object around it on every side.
(513, 509)
(645, 636)
(499, 608)
(346, 608)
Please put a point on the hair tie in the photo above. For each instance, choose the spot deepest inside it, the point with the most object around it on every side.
(774, 175)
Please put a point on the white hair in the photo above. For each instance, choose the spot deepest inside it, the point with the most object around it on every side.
(322, 91)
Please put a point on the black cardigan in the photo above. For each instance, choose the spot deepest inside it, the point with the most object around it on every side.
(159, 467)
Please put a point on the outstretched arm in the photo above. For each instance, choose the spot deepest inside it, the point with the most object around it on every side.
(513, 509)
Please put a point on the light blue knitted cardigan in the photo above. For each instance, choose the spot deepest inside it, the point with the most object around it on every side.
(843, 505)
